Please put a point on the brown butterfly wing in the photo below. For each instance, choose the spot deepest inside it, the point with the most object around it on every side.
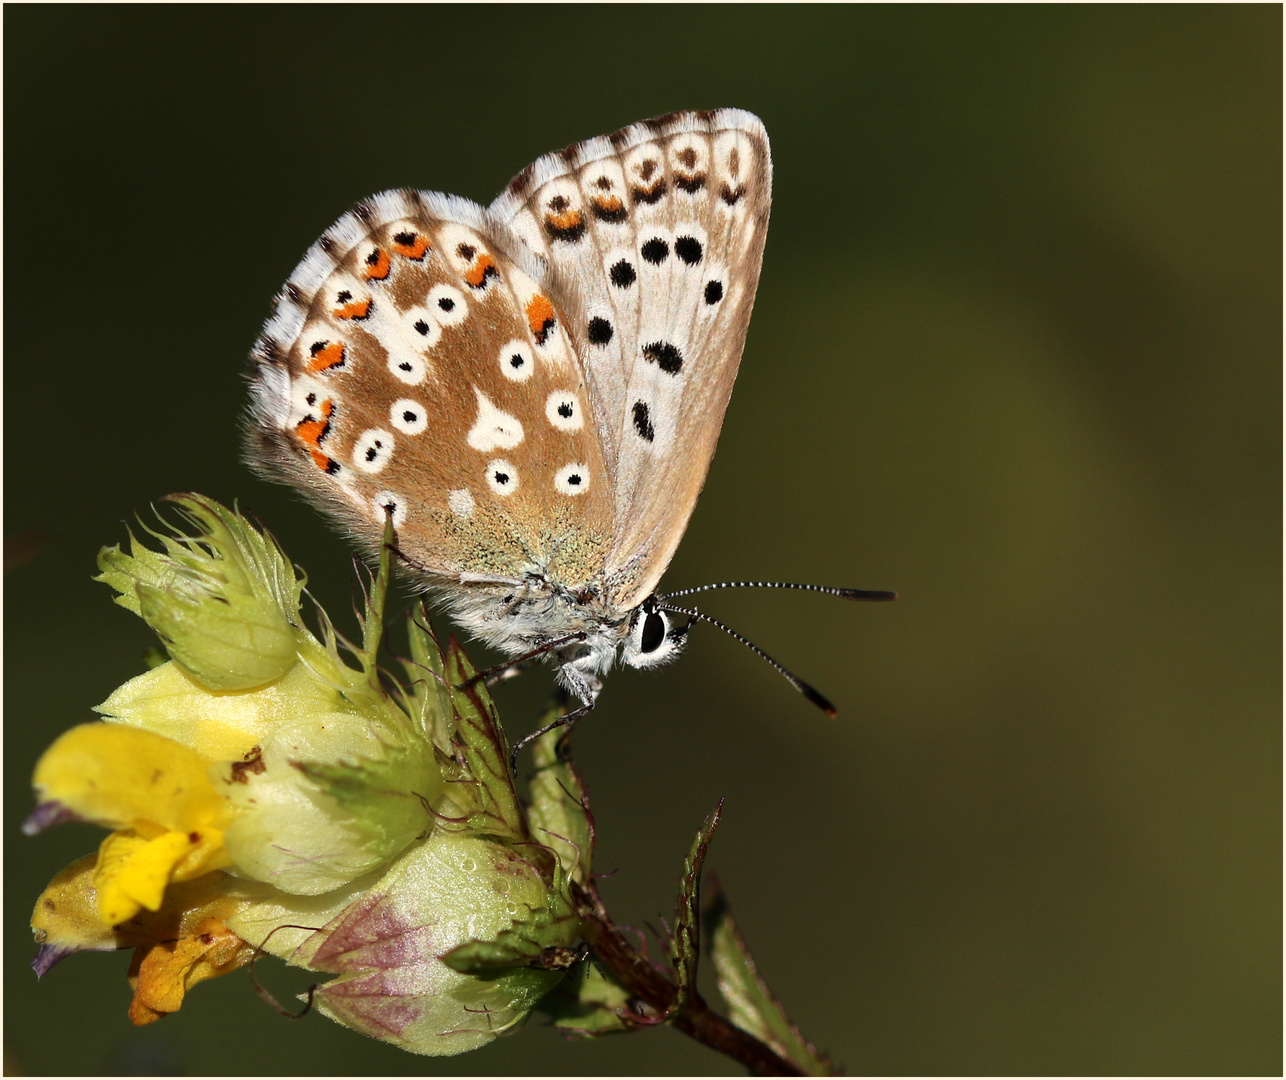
(416, 363)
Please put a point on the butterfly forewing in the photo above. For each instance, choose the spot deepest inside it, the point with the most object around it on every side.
(415, 367)
(655, 238)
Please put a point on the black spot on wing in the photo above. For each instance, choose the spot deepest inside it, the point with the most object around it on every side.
(665, 355)
(688, 248)
(623, 275)
(600, 331)
(643, 421)
(655, 251)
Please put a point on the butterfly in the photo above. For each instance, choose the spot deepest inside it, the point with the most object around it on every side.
(533, 390)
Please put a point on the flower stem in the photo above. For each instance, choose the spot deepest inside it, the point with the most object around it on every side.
(655, 990)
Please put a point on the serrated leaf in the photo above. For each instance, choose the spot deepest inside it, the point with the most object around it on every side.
(482, 749)
(685, 944)
(428, 698)
(589, 1004)
(371, 618)
(559, 812)
(751, 1005)
(542, 940)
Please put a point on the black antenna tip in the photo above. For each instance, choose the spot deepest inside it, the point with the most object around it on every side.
(866, 594)
(816, 698)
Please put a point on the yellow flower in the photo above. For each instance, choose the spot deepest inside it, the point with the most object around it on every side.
(265, 794)
(156, 794)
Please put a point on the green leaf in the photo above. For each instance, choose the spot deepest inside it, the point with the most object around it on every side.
(685, 945)
(559, 812)
(751, 1005)
(589, 1004)
(481, 749)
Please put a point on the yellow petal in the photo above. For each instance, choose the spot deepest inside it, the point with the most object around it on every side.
(133, 870)
(221, 725)
(123, 777)
(164, 972)
(66, 915)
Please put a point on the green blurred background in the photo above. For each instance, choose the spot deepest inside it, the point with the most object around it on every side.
(1017, 354)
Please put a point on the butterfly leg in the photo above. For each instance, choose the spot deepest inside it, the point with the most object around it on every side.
(510, 668)
(567, 720)
(511, 672)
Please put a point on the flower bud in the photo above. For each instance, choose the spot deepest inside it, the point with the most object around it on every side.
(224, 601)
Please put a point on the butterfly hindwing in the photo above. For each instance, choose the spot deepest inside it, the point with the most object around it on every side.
(654, 237)
(417, 363)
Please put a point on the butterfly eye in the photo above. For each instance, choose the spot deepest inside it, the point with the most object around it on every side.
(653, 633)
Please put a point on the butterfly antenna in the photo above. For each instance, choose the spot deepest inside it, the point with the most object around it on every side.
(809, 692)
(829, 590)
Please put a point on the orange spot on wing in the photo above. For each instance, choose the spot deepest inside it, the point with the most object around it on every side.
(328, 357)
(540, 317)
(312, 430)
(568, 219)
(377, 270)
(609, 205)
(476, 276)
(356, 309)
(415, 249)
(320, 460)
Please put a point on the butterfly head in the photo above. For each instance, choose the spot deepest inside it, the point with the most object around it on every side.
(654, 638)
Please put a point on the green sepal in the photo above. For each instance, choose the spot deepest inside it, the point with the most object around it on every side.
(427, 698)
(371, 619)
(588, 1004)
(559, 812)
(484, 786)
(685, 943)
(751, 1005)
(543, 939)
(376, 791)
(224, 600)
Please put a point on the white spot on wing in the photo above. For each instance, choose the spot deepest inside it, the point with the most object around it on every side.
(572, 479)
(407, 367)
(421, 327)
(408, 416)
(387, 499)
(562, 408)
(461, 502)
(516, 361)
(448, 305)
(372, 450)
(493, 428)
(502, 476)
